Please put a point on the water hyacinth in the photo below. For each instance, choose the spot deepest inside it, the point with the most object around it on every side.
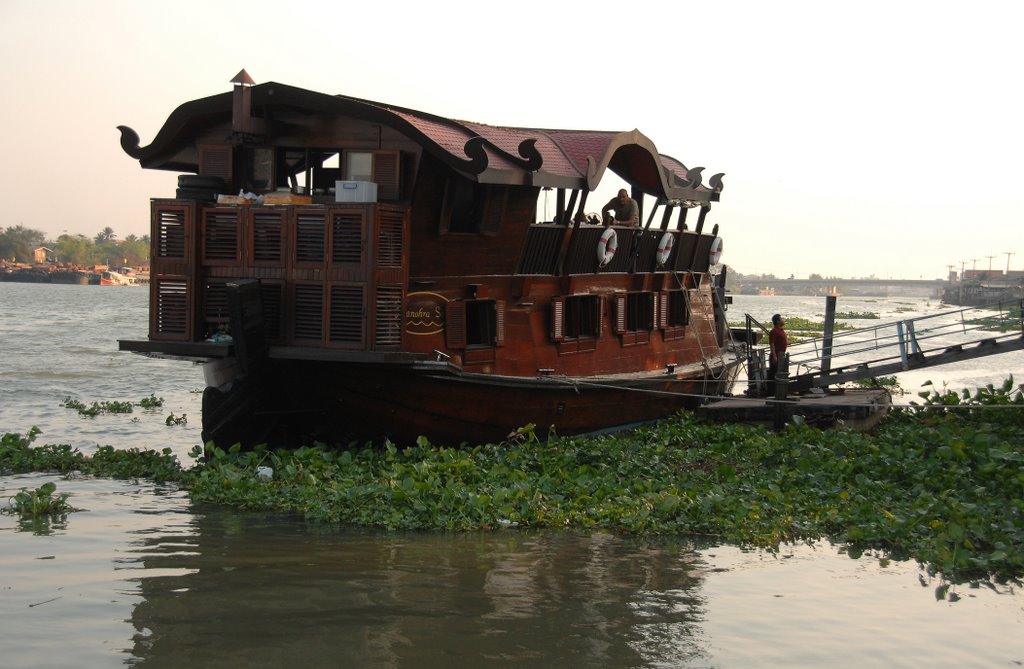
(941, 481)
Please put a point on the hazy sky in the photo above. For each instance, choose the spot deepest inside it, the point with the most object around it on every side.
(857, 139)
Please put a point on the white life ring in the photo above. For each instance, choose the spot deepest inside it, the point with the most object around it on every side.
(606, 246)
(665, 248)
(715, 255)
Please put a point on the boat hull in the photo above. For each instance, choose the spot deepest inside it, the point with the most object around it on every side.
(304, 402)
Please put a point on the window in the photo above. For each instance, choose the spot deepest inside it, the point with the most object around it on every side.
(464, 205)
(673, 313)
(475, 323)
(634, 317)
(575, 316)
(470, 207)
(358, 166)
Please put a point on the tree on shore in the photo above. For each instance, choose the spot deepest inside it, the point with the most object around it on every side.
(17, 243)
(105, 235)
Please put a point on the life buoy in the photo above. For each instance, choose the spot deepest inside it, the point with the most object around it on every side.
(606, 246)
(665, 248)
(715, 255)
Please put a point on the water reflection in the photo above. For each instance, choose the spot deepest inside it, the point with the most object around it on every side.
(268, 591)
(144, 577)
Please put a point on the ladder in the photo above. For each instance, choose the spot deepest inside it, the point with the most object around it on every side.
(703, 306)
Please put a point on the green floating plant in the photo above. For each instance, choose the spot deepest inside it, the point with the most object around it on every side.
(40, 502)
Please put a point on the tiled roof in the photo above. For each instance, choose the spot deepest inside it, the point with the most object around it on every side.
(488, 153)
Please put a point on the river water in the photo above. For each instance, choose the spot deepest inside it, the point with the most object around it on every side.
(142, 576)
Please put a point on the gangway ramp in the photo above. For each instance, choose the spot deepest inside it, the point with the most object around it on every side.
(916, 343)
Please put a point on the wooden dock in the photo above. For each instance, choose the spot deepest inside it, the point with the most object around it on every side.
(854, 408)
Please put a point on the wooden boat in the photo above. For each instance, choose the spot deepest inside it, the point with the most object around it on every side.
(385, 272)
(118, 278)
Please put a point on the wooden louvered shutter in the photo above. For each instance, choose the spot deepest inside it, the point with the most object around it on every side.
(499, 322)
(558, 319)
(455, 324)
(387, 169)
(308, 313)
(620, 314)
(495, 203)
(310, 236)
(215, 161)
(221, 230)
(661, 310)
(266, 237)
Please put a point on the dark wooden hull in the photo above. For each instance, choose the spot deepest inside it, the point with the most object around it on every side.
(335, 403)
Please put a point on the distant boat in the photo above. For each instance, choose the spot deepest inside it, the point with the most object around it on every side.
(114, 278)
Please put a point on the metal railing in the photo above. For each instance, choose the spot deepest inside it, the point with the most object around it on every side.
(917, 342)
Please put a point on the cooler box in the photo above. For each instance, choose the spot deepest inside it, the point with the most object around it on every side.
(355, 191)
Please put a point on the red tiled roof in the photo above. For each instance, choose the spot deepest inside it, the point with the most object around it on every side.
(528, 156)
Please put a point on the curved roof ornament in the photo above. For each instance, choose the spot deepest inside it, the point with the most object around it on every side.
(130, 142)
(694, 177)
(476, 148)
(715, 183)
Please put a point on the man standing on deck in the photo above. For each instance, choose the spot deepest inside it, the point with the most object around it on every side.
(627, 211)
(778, 342)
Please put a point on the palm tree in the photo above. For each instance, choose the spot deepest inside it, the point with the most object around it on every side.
(105, 235)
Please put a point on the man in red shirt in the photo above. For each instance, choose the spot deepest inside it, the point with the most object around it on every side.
(777, 344)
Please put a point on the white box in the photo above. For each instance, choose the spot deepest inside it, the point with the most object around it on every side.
(355, 191)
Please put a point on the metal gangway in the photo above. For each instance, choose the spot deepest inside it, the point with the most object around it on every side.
(885, 349)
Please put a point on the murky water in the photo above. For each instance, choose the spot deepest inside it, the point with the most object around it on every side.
(141, 576)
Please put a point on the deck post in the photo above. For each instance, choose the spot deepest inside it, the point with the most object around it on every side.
(901, 338)
(826, 339)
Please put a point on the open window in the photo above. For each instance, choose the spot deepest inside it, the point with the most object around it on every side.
(576, 322)
(472, 208)
(477, 326)
(634, 317)
(673, 313)
(320, 168)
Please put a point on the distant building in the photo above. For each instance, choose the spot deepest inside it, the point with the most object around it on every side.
(41, 253)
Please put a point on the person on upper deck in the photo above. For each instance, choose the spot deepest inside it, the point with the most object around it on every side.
(627, 211)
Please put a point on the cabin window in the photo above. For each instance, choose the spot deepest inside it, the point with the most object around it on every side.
(326, 169)
(673, 313)
(475, 323)
(575, 316)
(358, 166)
(471, 208)
(319, 169)
(290, 168)
(464, 206)
(634, 317)
(481, 323)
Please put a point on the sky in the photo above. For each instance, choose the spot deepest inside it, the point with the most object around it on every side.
(862, 139)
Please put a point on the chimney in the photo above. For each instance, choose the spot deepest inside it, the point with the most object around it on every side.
(242, 120)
